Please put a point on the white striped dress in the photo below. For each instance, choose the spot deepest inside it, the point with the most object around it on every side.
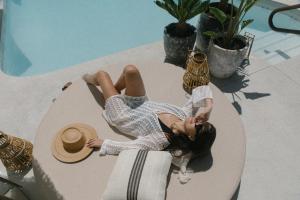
(138, 117)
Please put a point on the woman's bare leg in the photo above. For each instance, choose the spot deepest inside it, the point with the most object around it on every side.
(131, 81)
(120, 84)
(102, 79)
(91, 79)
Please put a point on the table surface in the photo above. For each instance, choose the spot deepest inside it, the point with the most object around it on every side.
(216, 176)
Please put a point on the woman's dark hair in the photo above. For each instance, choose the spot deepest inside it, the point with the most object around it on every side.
(204, 139)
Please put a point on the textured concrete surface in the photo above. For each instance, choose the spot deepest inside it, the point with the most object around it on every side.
(291, 69)
(288, 2)
(267, 98)
(268, 101)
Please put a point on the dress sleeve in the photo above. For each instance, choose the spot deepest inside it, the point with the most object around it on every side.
(112, 147)
(197, 99)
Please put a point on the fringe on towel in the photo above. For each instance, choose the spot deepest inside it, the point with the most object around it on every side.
(182, 161)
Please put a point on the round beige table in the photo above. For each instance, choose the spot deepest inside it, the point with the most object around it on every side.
(216, 177)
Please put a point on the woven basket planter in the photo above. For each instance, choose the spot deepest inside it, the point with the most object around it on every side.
(197, 72)
(15, 153)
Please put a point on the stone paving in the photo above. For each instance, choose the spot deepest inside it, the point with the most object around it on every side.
(267, 98)
(288, 2)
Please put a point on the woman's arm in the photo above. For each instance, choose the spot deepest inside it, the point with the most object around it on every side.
(115, 147)
(200, 103)
(202, 115)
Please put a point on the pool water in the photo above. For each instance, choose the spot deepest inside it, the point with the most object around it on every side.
(40, 36)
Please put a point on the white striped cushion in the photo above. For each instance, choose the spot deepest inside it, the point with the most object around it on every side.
(139, 175)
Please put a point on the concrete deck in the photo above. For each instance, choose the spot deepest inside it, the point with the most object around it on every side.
(288, 2)
(267, 98)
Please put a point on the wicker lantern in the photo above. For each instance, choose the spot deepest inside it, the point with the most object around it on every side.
(197, 72)
(15, 153)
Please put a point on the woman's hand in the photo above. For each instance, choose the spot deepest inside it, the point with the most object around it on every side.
(201, 118)
(94, 143)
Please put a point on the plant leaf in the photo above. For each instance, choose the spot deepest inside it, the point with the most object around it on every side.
(172, 8)
(171, 3)
(249, 5)
(211, 34)
(219, 14)
(183, 10)
(166, 7)
(198, 9)
(246, 23)
(180, 4)
(206, 4)
(188, 4)
(160, 4)
(184, 15)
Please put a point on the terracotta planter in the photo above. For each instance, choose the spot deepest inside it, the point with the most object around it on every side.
(224, 62)
(177, 48)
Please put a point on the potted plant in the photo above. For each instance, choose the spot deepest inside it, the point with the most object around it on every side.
(180, 37)
(227, 49)
(207, 22)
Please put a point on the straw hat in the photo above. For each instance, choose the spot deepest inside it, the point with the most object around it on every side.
(69, 144)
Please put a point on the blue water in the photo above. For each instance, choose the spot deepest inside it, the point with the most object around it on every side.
(40, 36)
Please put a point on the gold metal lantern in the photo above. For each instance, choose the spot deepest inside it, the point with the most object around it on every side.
(197, 72)
(15, 153)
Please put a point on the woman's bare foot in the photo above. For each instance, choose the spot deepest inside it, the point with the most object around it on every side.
(90, 78)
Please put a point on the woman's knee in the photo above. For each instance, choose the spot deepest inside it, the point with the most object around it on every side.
(102, 74)
(131, 70)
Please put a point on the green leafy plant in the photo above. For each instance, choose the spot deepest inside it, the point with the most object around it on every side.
(235, 20)
(183, 10)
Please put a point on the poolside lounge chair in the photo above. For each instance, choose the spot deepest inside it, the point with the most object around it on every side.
(217, 176)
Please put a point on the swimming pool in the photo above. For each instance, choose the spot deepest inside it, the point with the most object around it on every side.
(40, 36)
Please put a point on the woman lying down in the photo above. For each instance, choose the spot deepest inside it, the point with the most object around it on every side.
(183, 131)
